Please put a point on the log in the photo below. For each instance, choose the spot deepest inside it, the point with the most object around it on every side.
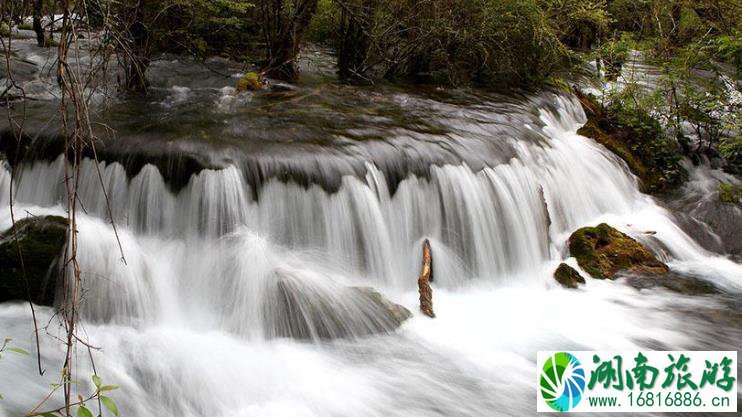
(423, 282)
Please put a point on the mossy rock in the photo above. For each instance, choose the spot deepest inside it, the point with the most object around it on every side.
(603, 251)
(251, 81)
(568, 276)
(41, 241)
(730, 193)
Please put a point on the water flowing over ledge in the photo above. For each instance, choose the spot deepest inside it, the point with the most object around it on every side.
(197, 298)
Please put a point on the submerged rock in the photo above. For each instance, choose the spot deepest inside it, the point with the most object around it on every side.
(568, 276)
(304, 310)
(41, 241)
(681, 283)
(603, 251)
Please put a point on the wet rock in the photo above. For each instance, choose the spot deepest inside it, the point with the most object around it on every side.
(395, 311)
(603, 251)
(42, 241)
(680, 283)
(282, 87)
(303, 310)
(251, 81)
(568, 276)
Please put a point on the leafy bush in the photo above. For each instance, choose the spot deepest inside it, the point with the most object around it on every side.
(730, 149)
(323, 28)
(4, 29)
(647, 140)
(577, 23)
(494, 43)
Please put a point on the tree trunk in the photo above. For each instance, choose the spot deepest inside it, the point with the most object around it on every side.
(354, 41)
(37, 27)
(284, 35)
(423, 282)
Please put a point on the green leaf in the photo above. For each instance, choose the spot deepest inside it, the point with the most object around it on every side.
(48, 415)
(83, 411)
(110, 405)
(18, 350)
(97, 381)
(108, 388)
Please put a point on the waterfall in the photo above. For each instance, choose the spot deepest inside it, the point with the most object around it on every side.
(495, 224)
(218, 255)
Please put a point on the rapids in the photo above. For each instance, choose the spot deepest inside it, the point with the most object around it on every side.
(186, 326)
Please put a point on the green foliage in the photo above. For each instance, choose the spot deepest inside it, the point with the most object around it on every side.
(110, 405)
(4, 29)
(577, 23)
(629, 112)
(730, 149)
(83, 411)
(500, 44)
(614, 53)
(633, 16)
(728, 48)
(323, 28)
(690, 26)
(202, 27)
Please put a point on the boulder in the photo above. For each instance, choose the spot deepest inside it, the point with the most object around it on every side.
(603, 251)
(568, 276)
(41, 241)
(302, 309)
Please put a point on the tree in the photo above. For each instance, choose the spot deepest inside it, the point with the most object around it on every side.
(283, 24)
(37, 27)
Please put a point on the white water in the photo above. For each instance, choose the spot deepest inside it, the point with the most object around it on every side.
(188, 326)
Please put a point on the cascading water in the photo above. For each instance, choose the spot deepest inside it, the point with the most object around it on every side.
(193, 323)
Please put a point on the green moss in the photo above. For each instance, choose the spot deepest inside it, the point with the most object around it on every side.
(730, 193)
(41, 241)
(567, 276)
(603, 251)
(250, 82)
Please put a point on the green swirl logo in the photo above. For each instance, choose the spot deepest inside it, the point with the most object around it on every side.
(562, 381)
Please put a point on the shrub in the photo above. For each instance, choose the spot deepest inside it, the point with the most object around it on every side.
(500, 44)
(647, 140)
(730, 149)
(323, 28)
